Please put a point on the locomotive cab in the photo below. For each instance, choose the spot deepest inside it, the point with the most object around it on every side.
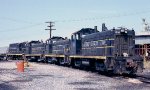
(76, 39)
(125, 59)
(124, 42)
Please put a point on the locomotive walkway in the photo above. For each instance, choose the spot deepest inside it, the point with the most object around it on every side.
(51, 77)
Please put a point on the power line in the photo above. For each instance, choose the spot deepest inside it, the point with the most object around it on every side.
(21, 28)
(50, 28)
(79, 20)
(105, 17)
(16, 20)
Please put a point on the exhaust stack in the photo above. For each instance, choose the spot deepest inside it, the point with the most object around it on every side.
(104, 28)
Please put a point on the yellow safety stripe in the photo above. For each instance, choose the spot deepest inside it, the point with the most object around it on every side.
(109, 46)
(110, 39)
(54, 55)
(57, 50)
(96, 57)
(106, 39)
(14, 54)
(99, 47)
(86, 48)
(33, 54)
(105, 47)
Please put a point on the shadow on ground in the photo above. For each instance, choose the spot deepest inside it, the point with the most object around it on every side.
(6, 86)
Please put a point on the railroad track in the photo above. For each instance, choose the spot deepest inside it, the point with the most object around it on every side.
(135, 78)
(144, 79)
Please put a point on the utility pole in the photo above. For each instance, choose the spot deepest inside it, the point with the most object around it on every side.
(50, 28)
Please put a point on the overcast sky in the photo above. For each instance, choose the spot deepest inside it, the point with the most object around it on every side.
(24, 20)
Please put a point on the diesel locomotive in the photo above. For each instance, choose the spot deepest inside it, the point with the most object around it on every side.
(107, 50)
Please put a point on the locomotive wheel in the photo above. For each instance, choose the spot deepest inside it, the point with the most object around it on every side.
(75, 63)
(100, 66)
(78, 63)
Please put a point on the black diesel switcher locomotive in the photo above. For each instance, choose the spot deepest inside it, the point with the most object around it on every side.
(109, 50)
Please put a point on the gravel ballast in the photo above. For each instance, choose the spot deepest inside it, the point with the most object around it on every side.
(52, 77)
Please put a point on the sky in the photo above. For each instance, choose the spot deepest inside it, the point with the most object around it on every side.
(24, 20)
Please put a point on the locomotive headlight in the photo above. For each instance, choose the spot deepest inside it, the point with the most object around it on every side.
(117, 31)
(125, 31)
(122, 30)
(125, 54)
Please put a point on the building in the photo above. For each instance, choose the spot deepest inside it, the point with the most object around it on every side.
(142, 42)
